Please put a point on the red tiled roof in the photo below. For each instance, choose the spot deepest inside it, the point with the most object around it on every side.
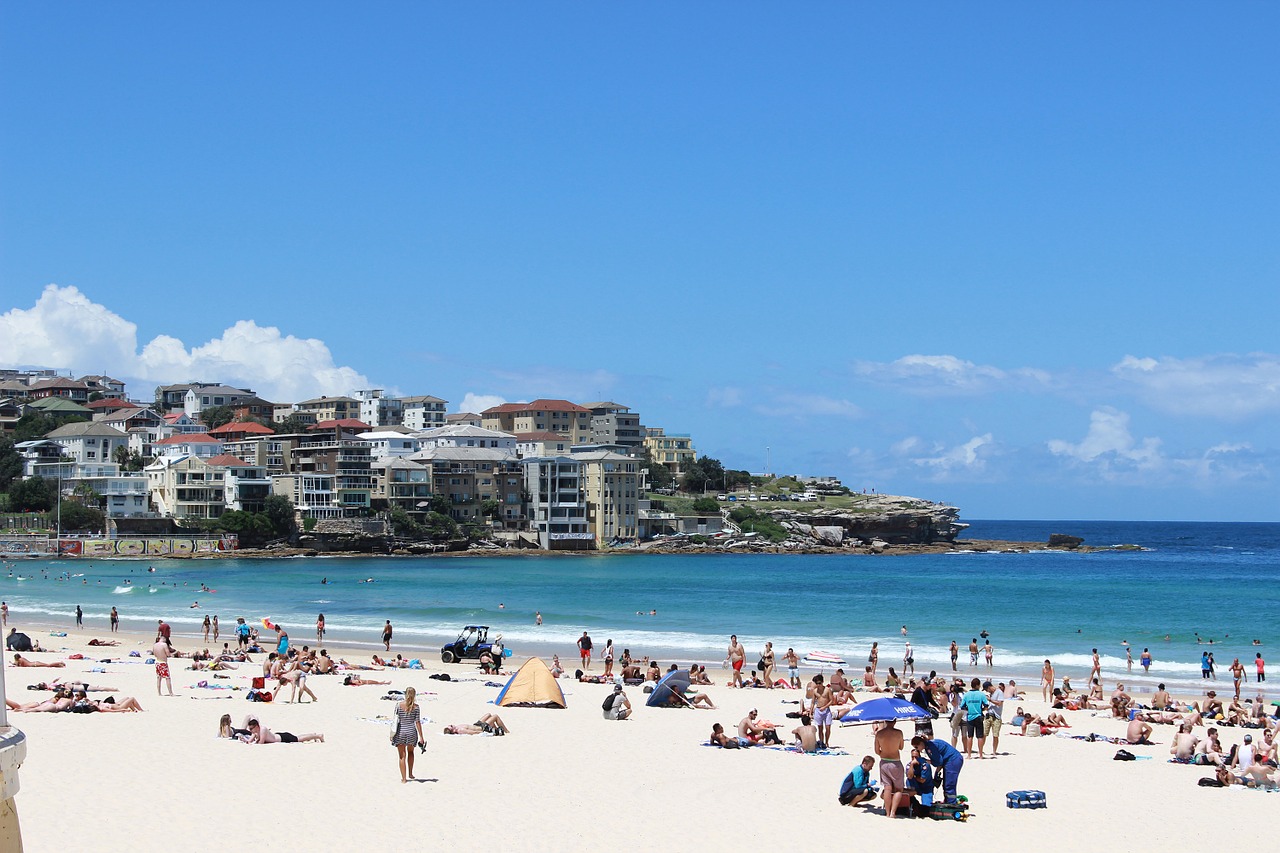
(58, 383)
(544, 435)
(242, 427)
(226, 460)
(345, 423)
(111, 404)
(174, 416)
(189, 438)
(541, 405)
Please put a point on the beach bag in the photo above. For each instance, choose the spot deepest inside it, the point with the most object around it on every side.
(259, 683)
(1209, 782)
(1123, 755)
(1033, 730)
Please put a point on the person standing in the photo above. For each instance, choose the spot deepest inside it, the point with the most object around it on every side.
(386, 635)
(1096, 672)
(1144, 660)
(908, 657)
(1204, 665)
(320, 628)
(767, 664)
(608, 658)
(1260, 665)
(4, 613)
(161, 651)
(1237, 675)
(988, 651)
(537, 618)
(975, 704)
(737, 655)
(584, 650)
(955, 655)
(408, 732)
(242, 632)
(215, 627)
(207, 625)
(995, 715)
(164, 630)
(1047, 680)
(821, 699)
(874, 657)
(888, 743)
(793, 667)
(1128, 658)
(115, 620)
(282, 642)
(973, 652)
(1213, 669)
(79, 617)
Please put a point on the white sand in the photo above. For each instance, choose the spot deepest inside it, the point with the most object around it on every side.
(161, 780)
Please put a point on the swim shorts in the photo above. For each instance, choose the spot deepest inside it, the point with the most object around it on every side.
(822, 717)
(973, 728)
(793, 671)
(991, 725)
(162, 670)
(737, 665)
(892, 775)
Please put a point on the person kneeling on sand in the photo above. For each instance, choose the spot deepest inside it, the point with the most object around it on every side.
(806, 734)
(858, 787)
(489, 724)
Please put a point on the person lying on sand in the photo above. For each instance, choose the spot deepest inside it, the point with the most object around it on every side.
(124, 705)
(61, 700)
(342, 664)
(489, 724)
(357, 681)
(58, 684)
(19, 660)
(259, 733)
(97, 642)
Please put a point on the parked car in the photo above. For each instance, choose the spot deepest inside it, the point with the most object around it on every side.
(722, 497)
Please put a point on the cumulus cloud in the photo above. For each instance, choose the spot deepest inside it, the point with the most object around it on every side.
(1109, 438)
(1226, 386)
(477, 403)
(969, 457)
(67, 330)
(947, 374)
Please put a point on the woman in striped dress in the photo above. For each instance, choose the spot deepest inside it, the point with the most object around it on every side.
(407, 733)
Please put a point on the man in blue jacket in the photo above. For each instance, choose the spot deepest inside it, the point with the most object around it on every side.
(944, 757)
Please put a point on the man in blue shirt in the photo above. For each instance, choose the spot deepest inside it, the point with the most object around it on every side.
(858, 786)
(975, 704)
(946, 759)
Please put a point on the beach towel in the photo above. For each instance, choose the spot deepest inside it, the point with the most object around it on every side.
(793, 748)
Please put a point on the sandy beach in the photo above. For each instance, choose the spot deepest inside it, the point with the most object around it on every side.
(563, 779)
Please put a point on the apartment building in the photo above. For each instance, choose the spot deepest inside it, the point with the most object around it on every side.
(88, 441)
(124, 494)
(186, 487)
(463, 419)
(467, 436)
(675, 450)
(107, 387)
(469, 476)
(557, 502)
(70, 389)
(615, 424)
(535, 444)
(245, 487)
(329, 409)
(559, 416)
(131, 419)
(378, 410)
(390, 443)
(612, 486)
(423, 412)
(197, 444)
(327, 472)
(403, 483)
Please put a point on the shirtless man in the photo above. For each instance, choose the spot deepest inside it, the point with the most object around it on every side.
(737, 655)
(488, 724)
(1138, 733)
(1161, 700)
(19, 660)
(1184, 743)
(1047, 680)
(1237, 674)
(324, 663)
(973, 652)
(793, 667)
(892, 773)
(839, 682)
(955, 655)
(161, 652)
(752, 730)
(820, 701)
(806, 734)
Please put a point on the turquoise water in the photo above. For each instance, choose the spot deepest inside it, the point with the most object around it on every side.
(1218, 580)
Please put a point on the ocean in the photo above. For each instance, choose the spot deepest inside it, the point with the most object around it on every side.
(1214, 580)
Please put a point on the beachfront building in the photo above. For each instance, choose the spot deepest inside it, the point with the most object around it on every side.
(557, 502)
(467, 436)
(87, 441)
(197, 444)
(245, 487)
(559, 416)
(391, 443)
(612, 486)
(123, 493)
(379, 410)
(655, 519)
(38, 451)
(403, 483)
(423, 412)
(269, 451)
(186, 487)
(204, 395)
(332, 468)
(463, 419)
(471, 476)
(330, 409)
(675, 450)
(615, 424)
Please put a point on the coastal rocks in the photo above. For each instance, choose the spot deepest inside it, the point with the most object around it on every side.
(893, 519)
(1062, 540)
(348, 535)
(829, 535)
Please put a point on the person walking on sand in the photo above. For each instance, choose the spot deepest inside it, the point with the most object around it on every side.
(584, 650)
(207, 625)
(115, 621)
(408, 732)
(215, 627)
(874, 657)
(736, 657)
(161, 651)
(386, 635)
(1237, 675)
(1096, 672)
(608, 658)
(1047, 680)
(767, 663)
(79, 617)
(4, 613)
(793, 667)
(955, 655)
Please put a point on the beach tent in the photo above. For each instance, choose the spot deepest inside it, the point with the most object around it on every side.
(533, 684)
(676, 681)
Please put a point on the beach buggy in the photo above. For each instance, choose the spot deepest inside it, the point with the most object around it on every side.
(471, 643)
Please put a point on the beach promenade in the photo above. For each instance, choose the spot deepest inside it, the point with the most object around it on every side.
(563, 779)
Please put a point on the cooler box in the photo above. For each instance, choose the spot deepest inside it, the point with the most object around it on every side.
(1026, 800)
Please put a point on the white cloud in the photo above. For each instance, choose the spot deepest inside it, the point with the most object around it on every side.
(967, 457)
(1109, 438)
(1224, 386)
(947, 374)
(815, 405)
(477, 403)
(66, 330)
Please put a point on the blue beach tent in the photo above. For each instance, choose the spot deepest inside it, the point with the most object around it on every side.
(676, 681)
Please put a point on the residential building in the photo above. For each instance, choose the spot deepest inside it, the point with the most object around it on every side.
(463, 419)
(558, 416)
(201, 445)
(675, 450)
(469, 476)
(186, 487)
(467, 436)
(130, 419)
(613, 423)
(142, 440)
(330, 470)
(71, 389)
(23, 379)
(10, 414)
(87, 441)
(423, 412)
(557, 502)
(254, 409)
(240, 430)
(545, 443)
(124, 494)
(181, 422)
(281, 412)
(59, 407)
(612, 486)
(201, 397)
(377, 409)
(107, 405)
(246, 487)
(330, 408)
(386, 444)
(39, 451)
(403, 483)
(106, 386)
(656, 520)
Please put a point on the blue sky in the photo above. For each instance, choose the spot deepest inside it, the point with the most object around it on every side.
(1019, 258)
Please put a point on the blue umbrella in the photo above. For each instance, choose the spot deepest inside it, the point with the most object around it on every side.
(885, 708)
(676, 681)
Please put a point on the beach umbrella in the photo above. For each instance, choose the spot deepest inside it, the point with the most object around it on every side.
(883, 709)
(822, 660)
(676, 681)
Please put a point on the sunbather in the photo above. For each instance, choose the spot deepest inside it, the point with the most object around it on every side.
(489, 724)
(19, 660)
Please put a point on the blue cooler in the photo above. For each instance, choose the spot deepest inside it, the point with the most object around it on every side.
(1026, 800)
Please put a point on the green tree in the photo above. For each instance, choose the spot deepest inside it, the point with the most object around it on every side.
(440, 504)
(403, 524)
(706, 505)
(77, 516)
(128, 460)
(34, 425)
(290, 425)
(253, 529)
(10, 463)
(215, 416)
(490, 508)
(87, 495)
(33, 494)
(279, 511)
(441, 528)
